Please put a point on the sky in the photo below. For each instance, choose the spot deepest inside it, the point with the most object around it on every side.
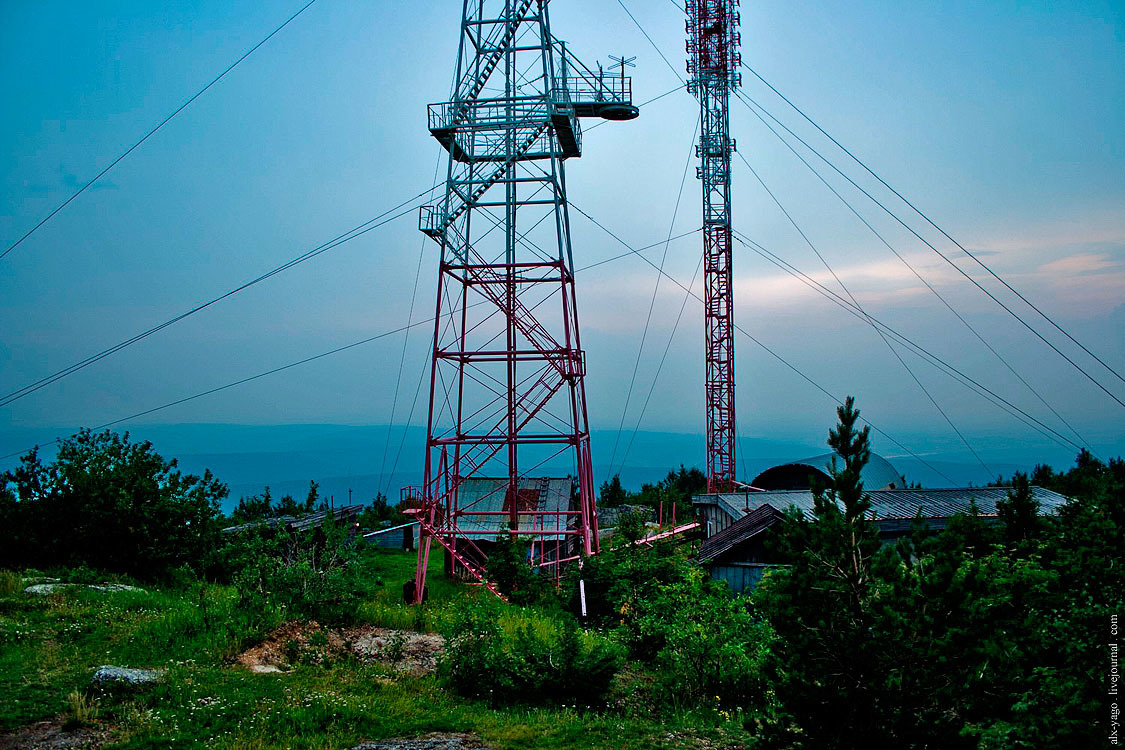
(1001, 120)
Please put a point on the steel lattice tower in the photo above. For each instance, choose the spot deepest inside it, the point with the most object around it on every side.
(506, 388)
(713, 63)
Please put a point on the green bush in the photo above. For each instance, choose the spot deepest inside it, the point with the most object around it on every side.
(707, 648)
(561, 666)
(508, 567)
(618, 579)
(312, 576)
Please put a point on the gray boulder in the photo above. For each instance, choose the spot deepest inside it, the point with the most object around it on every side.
(435, 741)
(109, 676)
(43, 589)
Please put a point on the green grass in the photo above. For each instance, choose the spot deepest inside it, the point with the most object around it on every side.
(50, 647)
(10, 583)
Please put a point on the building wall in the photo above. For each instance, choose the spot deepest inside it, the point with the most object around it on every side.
(714, 519)
(401, 538)
(740, 577)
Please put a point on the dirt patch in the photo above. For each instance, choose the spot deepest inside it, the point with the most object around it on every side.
(291, 643)
(428, 742)
(403, 649)
(308, 642)
(49, 735)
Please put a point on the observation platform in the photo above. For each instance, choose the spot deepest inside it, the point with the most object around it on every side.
(516, 128)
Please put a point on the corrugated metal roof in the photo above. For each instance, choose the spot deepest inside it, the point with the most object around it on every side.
(885, 504)
(316, 520)
(301, 523)
(488, 495)
(877, 474)
(753, 523)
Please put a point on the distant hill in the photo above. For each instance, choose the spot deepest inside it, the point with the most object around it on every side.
(342, 457)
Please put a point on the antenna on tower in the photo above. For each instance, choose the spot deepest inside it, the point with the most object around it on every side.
(621, 63)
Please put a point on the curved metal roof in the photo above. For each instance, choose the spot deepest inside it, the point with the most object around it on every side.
(878, 474)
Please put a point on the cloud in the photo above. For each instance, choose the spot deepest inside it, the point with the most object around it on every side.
(1093, 228)
(877, 283)
(1074, 267)
(1082, 263)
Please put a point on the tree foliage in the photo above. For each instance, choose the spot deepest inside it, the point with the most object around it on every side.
(108, 503)
(984, 635)
(824, 659)
(673, 491)
(612, 494)
(379, 512)
(258, 507)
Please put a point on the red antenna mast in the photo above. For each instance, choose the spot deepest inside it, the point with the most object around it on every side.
(713, 63)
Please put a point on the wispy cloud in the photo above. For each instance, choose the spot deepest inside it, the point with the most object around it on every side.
(1083, 263)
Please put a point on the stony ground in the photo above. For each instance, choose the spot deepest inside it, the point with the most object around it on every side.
(50, 735)
(428, 742)
(404, 650)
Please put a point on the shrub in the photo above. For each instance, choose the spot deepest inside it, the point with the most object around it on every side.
(562, 665)
(307, 576)
(707, 647)
(620, 577)
(508, 567)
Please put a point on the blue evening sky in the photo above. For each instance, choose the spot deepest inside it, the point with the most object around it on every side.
(1002, 120)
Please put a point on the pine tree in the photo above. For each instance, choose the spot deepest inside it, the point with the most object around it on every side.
(820, 606)
(1020, 511)
(612, 494)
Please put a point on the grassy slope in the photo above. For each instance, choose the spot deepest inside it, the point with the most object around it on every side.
(50, 646)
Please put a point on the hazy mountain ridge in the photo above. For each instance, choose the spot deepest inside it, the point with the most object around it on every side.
(343, 457)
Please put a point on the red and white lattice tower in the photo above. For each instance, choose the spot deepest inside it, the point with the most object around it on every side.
(713, 65)
(507, 397)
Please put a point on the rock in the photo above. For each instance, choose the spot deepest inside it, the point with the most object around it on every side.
(416, 652)
(428, 742)
(113, 587)
(43, 589)
(109, 676)
(266, 669)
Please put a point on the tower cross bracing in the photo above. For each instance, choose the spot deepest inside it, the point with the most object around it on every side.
(507, 392)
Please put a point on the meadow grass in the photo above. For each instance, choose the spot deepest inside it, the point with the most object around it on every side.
(50, 646)
(10, 582)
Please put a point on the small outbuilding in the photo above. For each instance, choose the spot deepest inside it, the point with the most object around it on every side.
(545, 507)
(403, 536)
